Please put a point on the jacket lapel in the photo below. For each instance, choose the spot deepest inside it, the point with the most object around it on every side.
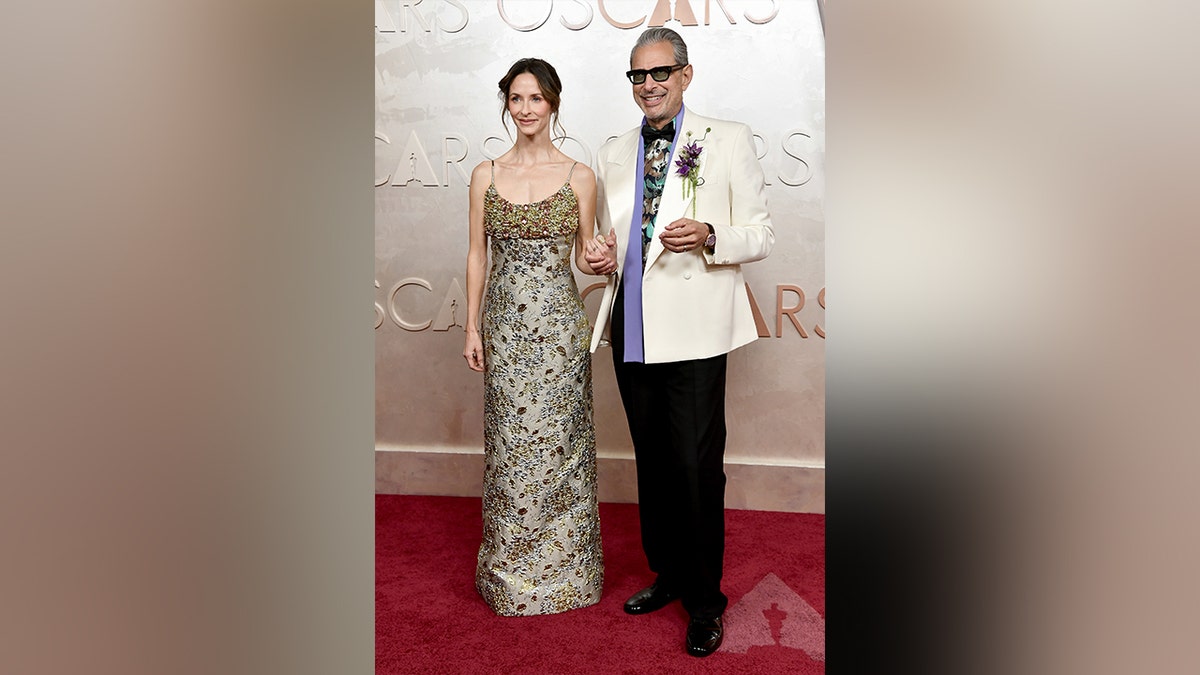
(620, 185)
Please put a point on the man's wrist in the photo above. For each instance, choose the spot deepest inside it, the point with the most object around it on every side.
(711, 241)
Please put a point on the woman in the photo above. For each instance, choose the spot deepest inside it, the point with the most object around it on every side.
(541, 530)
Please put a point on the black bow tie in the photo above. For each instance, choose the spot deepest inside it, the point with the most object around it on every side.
(666, 133)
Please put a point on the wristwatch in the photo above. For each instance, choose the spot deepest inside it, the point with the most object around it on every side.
(712, 237)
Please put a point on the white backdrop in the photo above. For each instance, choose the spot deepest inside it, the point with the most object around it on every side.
(437, 114)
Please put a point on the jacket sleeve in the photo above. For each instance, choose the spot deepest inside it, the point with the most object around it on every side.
(750, 235)
(603, 221)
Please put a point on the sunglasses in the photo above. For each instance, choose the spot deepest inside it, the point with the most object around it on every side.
(660, 74)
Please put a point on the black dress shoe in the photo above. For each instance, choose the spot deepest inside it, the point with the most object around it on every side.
(704, 636)
(649, 599)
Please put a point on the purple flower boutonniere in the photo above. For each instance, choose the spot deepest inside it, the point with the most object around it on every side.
(688, 166)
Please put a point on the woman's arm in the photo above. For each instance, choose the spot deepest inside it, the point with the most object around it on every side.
(593, 255)
(477, 260)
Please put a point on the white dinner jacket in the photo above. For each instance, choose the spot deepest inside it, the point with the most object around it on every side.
(694, 304)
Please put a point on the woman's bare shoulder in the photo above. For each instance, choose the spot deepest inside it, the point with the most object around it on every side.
(583, 171)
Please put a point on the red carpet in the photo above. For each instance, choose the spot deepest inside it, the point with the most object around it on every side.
(429, 619)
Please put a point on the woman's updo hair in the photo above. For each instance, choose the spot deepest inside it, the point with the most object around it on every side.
(548, 82)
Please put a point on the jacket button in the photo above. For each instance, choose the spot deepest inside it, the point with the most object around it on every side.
(687, 275)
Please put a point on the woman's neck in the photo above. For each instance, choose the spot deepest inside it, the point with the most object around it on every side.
(534, 149)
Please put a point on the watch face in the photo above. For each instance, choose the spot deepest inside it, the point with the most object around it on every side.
(711, 241)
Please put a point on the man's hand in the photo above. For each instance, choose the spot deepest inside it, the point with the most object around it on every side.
(683, 235)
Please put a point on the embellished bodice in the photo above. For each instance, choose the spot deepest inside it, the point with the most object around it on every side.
(554, 216)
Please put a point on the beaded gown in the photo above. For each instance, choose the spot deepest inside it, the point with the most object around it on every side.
(540, 552)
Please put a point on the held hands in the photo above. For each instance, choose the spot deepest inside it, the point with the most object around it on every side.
(601, 253)
(473, 351)
(683, 235)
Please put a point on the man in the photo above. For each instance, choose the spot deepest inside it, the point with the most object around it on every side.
(675, 308)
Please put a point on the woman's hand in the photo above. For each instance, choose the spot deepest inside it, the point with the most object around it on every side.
(473, 350)
(601, 253)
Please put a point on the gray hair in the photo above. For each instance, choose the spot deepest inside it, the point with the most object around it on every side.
(655, 35)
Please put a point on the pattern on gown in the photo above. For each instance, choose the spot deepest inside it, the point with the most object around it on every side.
(540, 552)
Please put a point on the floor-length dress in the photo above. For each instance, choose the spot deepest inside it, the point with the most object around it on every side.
(540, 552)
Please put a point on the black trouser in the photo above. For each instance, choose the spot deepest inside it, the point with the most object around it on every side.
(676, 414)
